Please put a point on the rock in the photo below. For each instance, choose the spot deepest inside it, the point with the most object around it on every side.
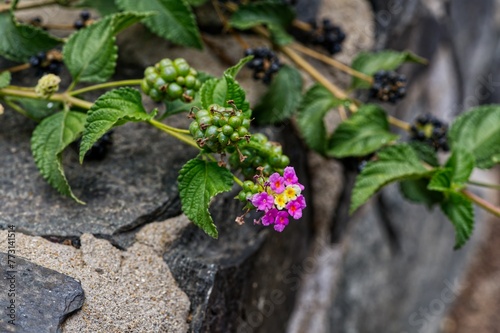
(41, 298)
(125, 291)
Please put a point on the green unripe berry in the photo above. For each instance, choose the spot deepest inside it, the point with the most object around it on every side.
(267, 169)
(149, 70)
(181, 66)
(235, 121)
(198, 135)
(284, 161)
(227, 130)
(168, 73)
(275, 160)
(193, 72)
(234, 160)
(190, 81)
(202, 113)
(151, 78)
(197, 86)
(194, 127)
(205, 121)
(181, 80)
(174, 90)
(145, 87)
(242, 131)
(222, 121)
(223, 139)
(248, 185)
(231, 149)
(258, 161)
(259, 137)
(155, 95)
(160, 84)
(165, 63)
(242, 196)
(245, 123)
(216, 119)
(235, 137)
(211, 131)
(189, 92)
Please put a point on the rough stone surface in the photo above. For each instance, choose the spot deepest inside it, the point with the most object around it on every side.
(43, 298)
(125, 291)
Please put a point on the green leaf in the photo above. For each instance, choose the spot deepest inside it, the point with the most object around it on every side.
(49, 140)
(365, 132)
(441, 181)
(104, 7)
(174, 20)
(90, 54)
(461, 213)
(233, 71)
(38, 109)
(478, 131)
(199, 181)
(461, 162)
(115, 107)
(21, 41)
(253, 14)
(316, 102)
(282, 98)
(371, 62)
(417, 191)
(196, 2)
(5, 78)
(425, 153)
(395, 163)
(178, 106)
(220, 91)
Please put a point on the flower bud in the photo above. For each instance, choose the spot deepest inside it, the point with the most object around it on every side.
(47, 85)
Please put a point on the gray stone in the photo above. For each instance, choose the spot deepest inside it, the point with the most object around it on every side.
(43, 298)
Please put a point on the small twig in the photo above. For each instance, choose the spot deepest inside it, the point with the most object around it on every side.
(482, 203)
(106, 85)
(491, 186)
(304, 26)
(335, 63)
(17, 68)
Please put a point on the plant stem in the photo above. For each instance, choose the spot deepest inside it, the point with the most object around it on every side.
(237, 181)
(17, 108)
(65, 98)
(482, 203)
(135, 82)
(491, 186)
(330, 61)
(23, 5)
(17, 68)
(170, 130)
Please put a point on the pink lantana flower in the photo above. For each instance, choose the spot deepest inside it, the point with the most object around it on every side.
(291, 177)
(295, 207)
(281, 221)
(269, 217)
(263, 201)
(277, 183)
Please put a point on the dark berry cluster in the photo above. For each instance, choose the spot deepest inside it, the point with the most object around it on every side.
(170, 80)
(430, 130)
(47, 62)
(388, 86)
(99, 149)
(218, 128)
(84, 20)
(265, 63)
(259, 152)
(327, 35)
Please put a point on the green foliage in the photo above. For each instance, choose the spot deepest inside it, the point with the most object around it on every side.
(49, 140)
(220, 91)
(394, 163)
(282, 98)
(425, 153)
(38, 109)
(277, 17)
(314, 106)
(478, 131)
(372, 62)
(196, 2)
(441, 181)
(234, 70)
(199, 181)
(5, 78)
(174, 20)
(104, 7)
(116, 107)
(461, 214)
(363, 133)
(461, 162)
(418, 192)
(21, 41)
(90, 54)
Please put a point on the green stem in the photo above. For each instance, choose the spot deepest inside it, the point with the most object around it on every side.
(135, 82)
(17, 108)
(64, 98)
(173, 132)
(237, 181)
(482, 203)
(492, 186)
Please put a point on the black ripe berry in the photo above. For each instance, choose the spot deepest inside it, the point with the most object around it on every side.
(326, 35)
(46, 63)
(264, 64)
(388, 86)
(84, 20)
(430, 130)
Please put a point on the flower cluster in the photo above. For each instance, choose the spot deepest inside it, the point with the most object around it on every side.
(279, 198)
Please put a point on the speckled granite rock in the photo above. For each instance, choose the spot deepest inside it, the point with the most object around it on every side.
(35, 299)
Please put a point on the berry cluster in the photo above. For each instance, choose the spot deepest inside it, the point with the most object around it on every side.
(279, 197)
(388, 86)
(259, 152)
(47, 63)
(430, 130)
(170, 80)
(99, 149)
(264, 64)
(84, 20)
(218, 128)
(328, 36)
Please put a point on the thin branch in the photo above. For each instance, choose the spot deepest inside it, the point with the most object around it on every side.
(135, 82)
(481, 184)
(487, 206)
